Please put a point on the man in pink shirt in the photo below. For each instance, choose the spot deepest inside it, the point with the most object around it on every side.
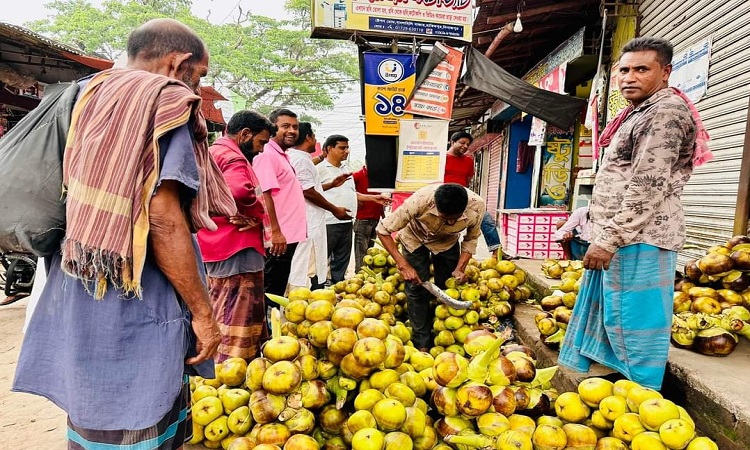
(284, 200)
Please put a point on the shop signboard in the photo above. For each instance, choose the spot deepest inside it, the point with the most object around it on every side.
(421, 153)
(615, 101)
(564, 53)
(440, 20)
(389, 79)
(554, 81)
(690, 70)
(557, 161)
(434, 97)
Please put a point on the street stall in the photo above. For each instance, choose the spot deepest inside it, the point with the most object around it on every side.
(341, 372)
(28, 63)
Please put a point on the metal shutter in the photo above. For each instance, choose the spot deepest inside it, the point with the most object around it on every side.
(711, 195)
(493, 179)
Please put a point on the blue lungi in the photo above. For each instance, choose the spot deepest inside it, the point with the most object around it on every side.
(623, 315)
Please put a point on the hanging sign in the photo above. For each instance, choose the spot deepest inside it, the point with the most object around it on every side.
(557, 161)
(554, 81)
(389, 79)
(690, 70)
(421, 153)
(615, 101)
(434, 98)
(443, 19)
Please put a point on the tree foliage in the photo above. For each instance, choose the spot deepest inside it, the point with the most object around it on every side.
(270, 62)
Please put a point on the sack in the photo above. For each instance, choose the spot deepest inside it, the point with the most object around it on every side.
(32, 210)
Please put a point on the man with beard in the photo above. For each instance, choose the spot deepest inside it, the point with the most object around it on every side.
(284, 199)
(234, 252)
(125, 292)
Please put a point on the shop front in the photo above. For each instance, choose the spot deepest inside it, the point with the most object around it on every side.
(541, 162)
(28, 63)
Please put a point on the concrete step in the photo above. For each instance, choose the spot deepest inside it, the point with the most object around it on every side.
(714, 390)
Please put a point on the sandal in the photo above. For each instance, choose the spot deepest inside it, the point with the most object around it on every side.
(13, 298)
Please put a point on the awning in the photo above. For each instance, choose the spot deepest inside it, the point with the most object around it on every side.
(211, 94)
(90, 61)
(546, 23)
(208, 108)
(482, 141)
(484, 75)
(47, 60)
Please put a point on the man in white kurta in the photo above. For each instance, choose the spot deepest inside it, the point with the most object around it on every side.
(311, 256)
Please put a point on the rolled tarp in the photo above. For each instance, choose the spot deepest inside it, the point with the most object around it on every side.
(484, 75)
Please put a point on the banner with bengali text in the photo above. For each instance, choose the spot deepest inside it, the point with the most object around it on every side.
(434, 97)
(554, 81)
(389, 79)
(444, 19)
(421, 153)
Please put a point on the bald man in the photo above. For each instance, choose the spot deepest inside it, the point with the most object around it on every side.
(126, 297)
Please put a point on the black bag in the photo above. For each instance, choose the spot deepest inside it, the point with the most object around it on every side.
(32, 210)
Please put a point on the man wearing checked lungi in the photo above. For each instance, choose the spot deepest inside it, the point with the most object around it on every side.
(623, 314)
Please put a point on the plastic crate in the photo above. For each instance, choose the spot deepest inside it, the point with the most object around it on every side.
(530, 233)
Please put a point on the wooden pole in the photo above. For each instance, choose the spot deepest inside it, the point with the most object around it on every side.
(742, 212)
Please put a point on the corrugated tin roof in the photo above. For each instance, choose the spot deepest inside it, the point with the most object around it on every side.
(47, 60)
(24, 35)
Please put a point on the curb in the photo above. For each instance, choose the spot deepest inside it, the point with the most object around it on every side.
(714, 390)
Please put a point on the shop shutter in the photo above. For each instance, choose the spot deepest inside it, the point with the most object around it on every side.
(711, 195)
(493, 179)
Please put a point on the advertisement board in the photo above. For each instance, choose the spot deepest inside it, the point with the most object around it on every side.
(690, 70)
(557, 161)
(434, 98)
(421, 153)
(554, 81)
(389, 79)
(441, 20)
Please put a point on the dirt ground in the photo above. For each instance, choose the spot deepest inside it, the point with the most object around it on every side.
(27, 422)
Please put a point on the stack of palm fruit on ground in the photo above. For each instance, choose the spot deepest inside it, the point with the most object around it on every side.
(492, 288)
(340, 376)
(711, 300)
(383, 395)
(557, 307)
(601, 415)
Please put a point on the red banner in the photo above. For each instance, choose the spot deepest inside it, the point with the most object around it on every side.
(434, 97)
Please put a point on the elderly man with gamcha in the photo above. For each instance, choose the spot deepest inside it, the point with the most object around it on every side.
(429, 225)
(623, 314)
(111, 336)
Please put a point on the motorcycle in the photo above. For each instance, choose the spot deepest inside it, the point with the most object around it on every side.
(17, 276)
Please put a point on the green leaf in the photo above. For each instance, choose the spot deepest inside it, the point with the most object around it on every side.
(269, 62)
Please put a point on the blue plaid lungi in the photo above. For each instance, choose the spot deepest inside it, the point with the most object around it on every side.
(623, 315)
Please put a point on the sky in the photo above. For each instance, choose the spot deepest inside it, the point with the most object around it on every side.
(343, 119)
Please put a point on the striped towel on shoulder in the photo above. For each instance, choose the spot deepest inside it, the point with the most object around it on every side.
(111, 169)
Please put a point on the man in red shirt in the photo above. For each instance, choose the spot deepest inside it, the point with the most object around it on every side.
(368, 215)
(459, 168)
